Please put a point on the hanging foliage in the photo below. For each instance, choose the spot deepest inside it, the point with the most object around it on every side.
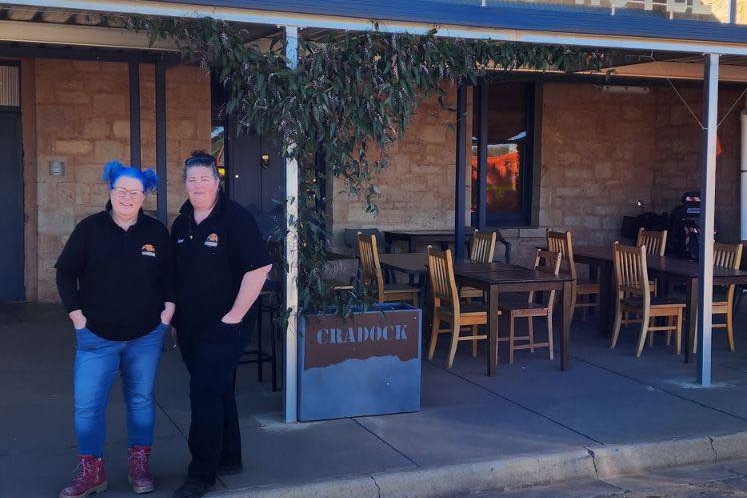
(351, 94)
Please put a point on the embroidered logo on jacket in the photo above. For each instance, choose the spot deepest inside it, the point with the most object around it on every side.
(212, 240)
(148, 250)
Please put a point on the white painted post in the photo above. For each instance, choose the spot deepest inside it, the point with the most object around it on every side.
(708, 193)
(291, 254)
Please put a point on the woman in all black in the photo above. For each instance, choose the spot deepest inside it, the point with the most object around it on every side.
(114, 278)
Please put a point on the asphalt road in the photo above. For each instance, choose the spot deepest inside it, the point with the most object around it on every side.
(723, 480)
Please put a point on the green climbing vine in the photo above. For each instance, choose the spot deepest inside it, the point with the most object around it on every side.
(351, 94)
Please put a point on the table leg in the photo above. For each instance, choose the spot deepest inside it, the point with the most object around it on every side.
(691, 313)
(388, 243)
(492, 329)
(565, 321)
(606, 301)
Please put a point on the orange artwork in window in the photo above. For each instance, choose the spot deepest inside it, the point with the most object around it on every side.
(502, 180)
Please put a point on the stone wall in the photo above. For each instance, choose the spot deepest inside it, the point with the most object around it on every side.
(82, 118)
(600, 152)
(677, 159)
(417, 188)
(595, 162)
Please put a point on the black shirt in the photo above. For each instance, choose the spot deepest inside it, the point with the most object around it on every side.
(119, 279)
(211, 260)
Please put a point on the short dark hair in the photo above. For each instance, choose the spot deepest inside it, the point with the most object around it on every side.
(201, 158)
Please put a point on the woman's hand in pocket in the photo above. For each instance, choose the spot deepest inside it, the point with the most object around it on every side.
(78, 319)
(230, 319)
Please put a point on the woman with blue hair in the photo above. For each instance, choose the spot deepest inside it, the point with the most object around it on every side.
(114, 278)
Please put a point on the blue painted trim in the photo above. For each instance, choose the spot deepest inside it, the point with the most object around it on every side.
(512, 16)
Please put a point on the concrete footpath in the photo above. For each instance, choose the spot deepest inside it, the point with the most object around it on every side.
(531, 424)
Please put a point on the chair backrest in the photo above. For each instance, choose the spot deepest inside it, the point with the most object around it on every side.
(561, 242)
(350, 237)
(631, 271)
(547, 262)
(727, 255)
(655, 241)
(483, 247)
(371, 275)
(441, 275)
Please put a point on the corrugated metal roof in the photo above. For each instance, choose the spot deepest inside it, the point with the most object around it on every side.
(557, 7)
(520, 16)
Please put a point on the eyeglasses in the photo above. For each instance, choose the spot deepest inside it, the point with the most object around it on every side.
(122, 192)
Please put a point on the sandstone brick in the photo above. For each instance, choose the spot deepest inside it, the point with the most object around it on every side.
(88, 173)
(434, 134)
(75, 97)
(108, 83)
(71, 129)
(107, 150)
(73, 147)
(96, 128)
(121, 129)
(59, 121)
(183, 129)
(60, 220)
(112, 105)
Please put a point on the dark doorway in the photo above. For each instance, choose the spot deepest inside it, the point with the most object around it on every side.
(11, 191)
(251, 169)
(256, 178)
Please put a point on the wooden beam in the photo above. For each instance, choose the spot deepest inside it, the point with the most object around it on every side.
(55, 16)
(680, 71)
(88, 19)
(23, 14)
(65, 34)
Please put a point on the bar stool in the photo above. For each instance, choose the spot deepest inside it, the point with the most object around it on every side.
(267, 302)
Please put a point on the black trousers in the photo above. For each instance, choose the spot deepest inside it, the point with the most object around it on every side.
(211, 356)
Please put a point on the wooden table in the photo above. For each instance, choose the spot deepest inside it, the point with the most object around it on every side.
(495, 278)
(414, 264)
(414, 237)
(666, 267)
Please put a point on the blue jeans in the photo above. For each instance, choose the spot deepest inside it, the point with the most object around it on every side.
(97, 361)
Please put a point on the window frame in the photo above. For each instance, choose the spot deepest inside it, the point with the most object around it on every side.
(529, 151)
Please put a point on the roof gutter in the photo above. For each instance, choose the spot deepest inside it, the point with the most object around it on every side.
(162, 9)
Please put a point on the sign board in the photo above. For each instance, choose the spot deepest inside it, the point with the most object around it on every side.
(367, 364)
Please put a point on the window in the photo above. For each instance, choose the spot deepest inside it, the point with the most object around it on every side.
(508, 179)
(10, 93)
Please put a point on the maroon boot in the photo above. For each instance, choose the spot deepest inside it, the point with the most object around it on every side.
(90, 478)
(138, 471)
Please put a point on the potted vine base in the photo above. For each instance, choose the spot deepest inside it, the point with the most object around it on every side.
(366, 364)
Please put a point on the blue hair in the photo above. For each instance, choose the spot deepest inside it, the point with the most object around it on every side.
(113, 170)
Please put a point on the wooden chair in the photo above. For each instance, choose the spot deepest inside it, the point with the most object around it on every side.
(655, 242)
(726, 256)
(633, 295)
(562, 242)
(446, 306)
(483, 248)
(544, 261)
(373, 279)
